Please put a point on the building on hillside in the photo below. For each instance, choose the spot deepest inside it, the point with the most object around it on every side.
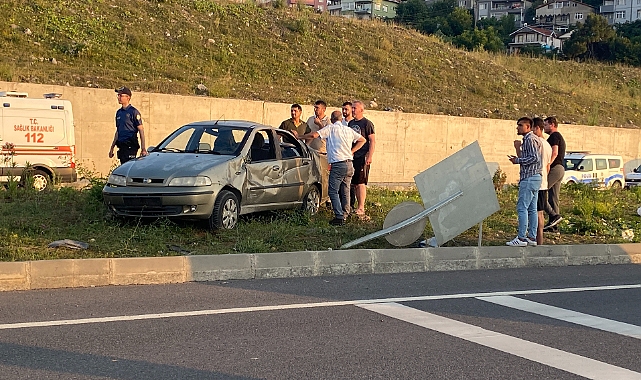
(534, 36)
(500, 8)
(561, 15)
(363, 9)
(621, 11)
(318, 5)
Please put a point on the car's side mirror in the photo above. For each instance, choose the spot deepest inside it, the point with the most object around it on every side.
(151, 148)
(636, 170)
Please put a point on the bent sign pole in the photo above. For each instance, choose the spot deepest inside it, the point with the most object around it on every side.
(405, 223)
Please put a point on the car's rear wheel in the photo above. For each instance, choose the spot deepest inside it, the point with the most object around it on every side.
(225, 213)
(311, 202)
(616, 185)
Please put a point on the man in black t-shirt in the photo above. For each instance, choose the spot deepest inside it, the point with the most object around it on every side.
(363, 156)
(557, 171)
(128, 125)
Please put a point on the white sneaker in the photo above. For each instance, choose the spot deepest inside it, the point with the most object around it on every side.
(517, 243)
(530, 242)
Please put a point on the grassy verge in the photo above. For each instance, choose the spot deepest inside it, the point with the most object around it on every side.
(30, 221)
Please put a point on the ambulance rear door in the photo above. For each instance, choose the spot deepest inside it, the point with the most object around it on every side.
(38, 131)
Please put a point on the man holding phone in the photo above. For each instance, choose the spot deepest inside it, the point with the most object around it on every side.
(528, 156)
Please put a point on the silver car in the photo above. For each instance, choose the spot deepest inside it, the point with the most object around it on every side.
(218, 170)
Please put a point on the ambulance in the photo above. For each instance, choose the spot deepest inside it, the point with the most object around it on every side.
(37, 133)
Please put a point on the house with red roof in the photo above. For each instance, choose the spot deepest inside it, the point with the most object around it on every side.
(534, 36)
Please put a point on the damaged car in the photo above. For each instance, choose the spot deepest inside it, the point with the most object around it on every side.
(217, 171)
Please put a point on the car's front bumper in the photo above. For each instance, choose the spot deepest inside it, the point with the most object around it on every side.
(632, 183)
(184, 202)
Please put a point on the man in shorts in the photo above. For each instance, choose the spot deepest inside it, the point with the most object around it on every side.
(363, 156)
(546, 158)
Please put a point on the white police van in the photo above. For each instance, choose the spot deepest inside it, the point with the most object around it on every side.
(598, 170)
(38, 133)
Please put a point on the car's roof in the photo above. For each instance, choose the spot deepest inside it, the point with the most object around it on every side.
(584, 155)
(230, 123)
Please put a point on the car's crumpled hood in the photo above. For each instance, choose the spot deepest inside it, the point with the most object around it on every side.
(170, 165)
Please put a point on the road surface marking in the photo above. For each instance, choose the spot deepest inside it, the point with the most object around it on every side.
(572, 363)
(179, 314)
(566, 315)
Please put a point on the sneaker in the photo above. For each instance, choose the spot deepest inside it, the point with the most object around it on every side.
(554, 220)
(517, 243)
(530, 242)
(337, 222)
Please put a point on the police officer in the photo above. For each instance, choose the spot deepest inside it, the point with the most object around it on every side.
(128, 125)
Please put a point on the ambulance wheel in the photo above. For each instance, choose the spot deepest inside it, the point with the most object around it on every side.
(40, 180)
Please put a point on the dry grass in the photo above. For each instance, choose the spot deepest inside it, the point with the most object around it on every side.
(286, 55)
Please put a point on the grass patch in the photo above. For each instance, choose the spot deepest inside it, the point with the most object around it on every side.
(32, 220)
(283, 54)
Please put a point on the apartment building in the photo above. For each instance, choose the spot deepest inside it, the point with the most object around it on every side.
(363, 9)
(318, 5)
(621, 11)
(500, 8)
(560, 15)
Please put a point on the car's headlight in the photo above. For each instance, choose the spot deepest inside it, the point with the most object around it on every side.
(190, 181)
(117, 180)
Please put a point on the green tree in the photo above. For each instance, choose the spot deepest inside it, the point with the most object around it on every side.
(459, 21)
(486, 39)
(412, 13)
(503, 26)
(591, 40)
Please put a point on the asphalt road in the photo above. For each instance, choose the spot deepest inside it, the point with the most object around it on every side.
(543, 323)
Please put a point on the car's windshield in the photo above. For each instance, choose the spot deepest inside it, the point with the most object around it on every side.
(578, 164)
(212, 139)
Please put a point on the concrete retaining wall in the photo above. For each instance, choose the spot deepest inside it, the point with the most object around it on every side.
(178, 269)
(407, 143)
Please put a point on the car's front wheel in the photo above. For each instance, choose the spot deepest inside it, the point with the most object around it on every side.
(225, 213)
(311, 202)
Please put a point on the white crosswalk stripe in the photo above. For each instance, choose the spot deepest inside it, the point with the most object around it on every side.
(572, 363)
(566, 315)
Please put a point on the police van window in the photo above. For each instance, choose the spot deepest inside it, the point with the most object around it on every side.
(601, 164)
(614, 163)
(586, 165)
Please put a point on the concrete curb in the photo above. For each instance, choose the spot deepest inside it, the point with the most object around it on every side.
(177, 269)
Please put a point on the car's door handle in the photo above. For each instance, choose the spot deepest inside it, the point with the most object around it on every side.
(275, 167)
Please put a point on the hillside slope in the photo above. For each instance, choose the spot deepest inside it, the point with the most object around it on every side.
(288, 55)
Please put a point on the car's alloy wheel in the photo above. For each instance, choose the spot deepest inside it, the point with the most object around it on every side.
(311, 202)
(225, 213)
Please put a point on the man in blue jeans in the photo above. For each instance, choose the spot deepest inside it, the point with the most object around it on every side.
(340, 152)
(528, 156)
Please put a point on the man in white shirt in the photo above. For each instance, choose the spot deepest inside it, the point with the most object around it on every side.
(315, 123)
(546, 158)
(341, 142)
